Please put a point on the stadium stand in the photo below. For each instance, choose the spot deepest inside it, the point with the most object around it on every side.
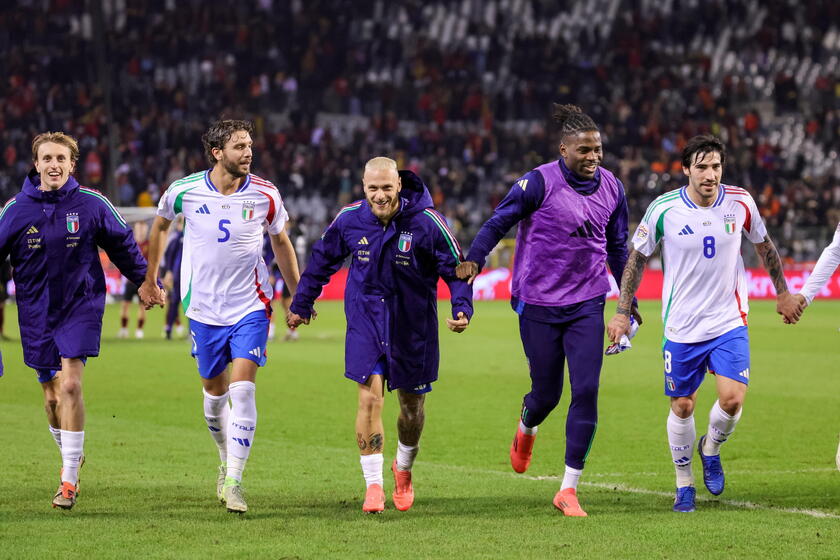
(457, 90)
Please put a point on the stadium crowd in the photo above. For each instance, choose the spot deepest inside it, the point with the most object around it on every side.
(457, 91)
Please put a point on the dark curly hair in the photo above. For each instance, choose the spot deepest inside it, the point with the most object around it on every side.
(220, 132)
(570, 119)
(700, 146)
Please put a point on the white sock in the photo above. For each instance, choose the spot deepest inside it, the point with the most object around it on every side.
(406, 455)
(681, 435)
(241, 427)
(56, 434)
(571, 478)
(72, 448)
(526, 430)
(372, 468)
(217, 415)
(721, 426)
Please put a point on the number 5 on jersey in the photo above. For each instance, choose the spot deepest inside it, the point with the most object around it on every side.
(224, 230)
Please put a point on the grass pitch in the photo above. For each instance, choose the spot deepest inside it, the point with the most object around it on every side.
(148, 485)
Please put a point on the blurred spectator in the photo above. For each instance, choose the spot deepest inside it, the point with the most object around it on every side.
(458, 91)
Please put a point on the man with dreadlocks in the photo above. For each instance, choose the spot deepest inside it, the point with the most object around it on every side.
(573, 216)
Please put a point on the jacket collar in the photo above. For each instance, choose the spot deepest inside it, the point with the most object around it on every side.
(33, 181)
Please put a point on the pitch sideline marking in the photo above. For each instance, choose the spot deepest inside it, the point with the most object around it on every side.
(621, 487)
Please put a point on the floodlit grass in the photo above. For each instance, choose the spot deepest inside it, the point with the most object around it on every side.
(148, 484)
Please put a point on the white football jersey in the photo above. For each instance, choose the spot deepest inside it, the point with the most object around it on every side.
(704, 293)
(223, 274)
(824, 269)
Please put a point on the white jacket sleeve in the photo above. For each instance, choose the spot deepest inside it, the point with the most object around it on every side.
(825, 267)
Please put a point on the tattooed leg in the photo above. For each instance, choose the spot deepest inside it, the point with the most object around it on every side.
(369, 430)
(412, 418)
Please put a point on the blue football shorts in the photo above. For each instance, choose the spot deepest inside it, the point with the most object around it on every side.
(214, 347)
(381, 368)
(687, 363)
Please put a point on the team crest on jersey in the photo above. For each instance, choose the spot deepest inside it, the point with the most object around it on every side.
(405, 242)
(729, 223)
(248, 210)
(73, 222)
(642, 232)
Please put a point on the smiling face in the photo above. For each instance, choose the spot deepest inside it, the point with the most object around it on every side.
(236, 156)
(582, 152)
(704, 177)
(54, 165)
(382, 190)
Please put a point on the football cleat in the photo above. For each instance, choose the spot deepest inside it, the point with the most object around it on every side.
(520, 450)
(566, 501)
(712, 470)
(374, 499)
(65, 497)
(123, 333)
(234, 498)
(403, 490)
(220, 483)
(684, 500)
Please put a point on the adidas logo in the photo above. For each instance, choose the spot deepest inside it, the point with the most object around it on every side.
(363, 241)
(203, 210)
(31, 230)
(523, 183)
(255, 352)
(585, 230)
(686, 231)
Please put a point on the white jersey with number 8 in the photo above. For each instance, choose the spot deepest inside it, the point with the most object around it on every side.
(704, 292)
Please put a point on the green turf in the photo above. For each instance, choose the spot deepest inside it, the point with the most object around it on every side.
(148, 484)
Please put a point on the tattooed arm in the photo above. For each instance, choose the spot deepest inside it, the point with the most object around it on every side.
(787, 305)
(630, 280)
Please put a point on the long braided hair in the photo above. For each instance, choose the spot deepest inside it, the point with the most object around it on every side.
(570, 119)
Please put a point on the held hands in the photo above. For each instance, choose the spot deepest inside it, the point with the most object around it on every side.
(790, 307)
(618, 326)
(293, 320)
(467, 270)
(151, 294)
(460, 324)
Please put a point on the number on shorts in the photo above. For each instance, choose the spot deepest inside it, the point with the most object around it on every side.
(667, 355)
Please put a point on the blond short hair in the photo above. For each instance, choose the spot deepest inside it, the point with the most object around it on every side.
(381, 162)
(56, 138)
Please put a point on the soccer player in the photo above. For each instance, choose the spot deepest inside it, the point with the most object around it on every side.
(400, 246)
(704, 303)
(141, 234)
(572, 217)
(172, 278)
(825, 267)
(285, 295)
(225, 287)
(51, 230)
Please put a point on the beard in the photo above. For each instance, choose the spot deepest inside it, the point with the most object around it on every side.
(233, 168)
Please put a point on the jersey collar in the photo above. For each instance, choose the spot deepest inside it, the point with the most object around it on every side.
(688, 202)
(212, 187)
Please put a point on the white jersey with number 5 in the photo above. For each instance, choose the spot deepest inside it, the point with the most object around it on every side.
(223, 274)
(704, 293)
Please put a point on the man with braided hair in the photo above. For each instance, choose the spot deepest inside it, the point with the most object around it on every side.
(573, 216)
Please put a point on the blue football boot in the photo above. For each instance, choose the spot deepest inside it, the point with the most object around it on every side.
(684, 500)
(712, 470)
